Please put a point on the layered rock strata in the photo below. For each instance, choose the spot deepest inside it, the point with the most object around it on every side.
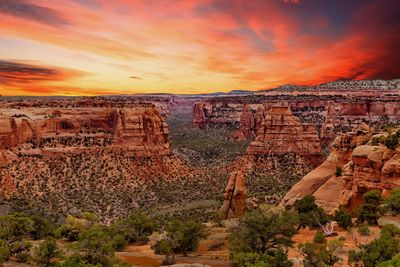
(363, 167)
(329, 113)
(281, 133)
(139, 130)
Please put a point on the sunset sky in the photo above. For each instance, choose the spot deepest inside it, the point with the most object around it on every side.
(89, 47)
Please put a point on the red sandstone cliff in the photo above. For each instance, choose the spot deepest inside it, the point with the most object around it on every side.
(139, 130)
(329, 114)
(280, 133)
(364, 167)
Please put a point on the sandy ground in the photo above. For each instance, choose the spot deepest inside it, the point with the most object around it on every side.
(143, 256)
(307, 235)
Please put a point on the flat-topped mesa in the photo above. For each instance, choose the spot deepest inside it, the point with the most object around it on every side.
(281, 133)
(139, 130)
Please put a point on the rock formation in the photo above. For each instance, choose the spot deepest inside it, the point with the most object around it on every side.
(331, 108)
(235, 196)
(139, 130)
(280, 133)
(199, 118)
(363, 167)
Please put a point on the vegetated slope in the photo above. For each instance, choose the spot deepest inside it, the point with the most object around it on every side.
(190, 182)
(211, 147)
(110, 184)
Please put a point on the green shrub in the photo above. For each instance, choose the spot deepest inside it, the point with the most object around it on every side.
(164, 247)
(262, 231)
(46, 252)
(15, 226)
(251, 259)
(394, 262)
(186, 235)
(306, 204)
(181, 237)
(343, 217)
(42, 228)
(4, 252)
(118, 242)
(392, 203)
(309, 213)
(376, 252)
(72, 227)
(95, 246)
(363, 229)
(391, 141)
(76, 260)
(137, 227)
(370, 210)
(20, 250)
(321, 254)
(319, 238)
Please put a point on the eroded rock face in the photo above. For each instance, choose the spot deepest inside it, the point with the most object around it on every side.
(199, 118)
(331, 108)
(280, 133)
(235, 196)
(363, 167)
(139, 130)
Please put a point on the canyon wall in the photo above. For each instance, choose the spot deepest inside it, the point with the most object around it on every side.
(328, 114)
(280, 133)
(139, 130)
(364, 164)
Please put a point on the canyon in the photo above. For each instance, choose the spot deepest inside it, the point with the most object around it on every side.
(170, 152)
(330, 112)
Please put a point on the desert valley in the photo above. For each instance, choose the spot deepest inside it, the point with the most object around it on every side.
(138, 168)
(199, 133)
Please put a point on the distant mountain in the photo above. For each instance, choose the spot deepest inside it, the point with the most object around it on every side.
(340, 86)
(233, 92)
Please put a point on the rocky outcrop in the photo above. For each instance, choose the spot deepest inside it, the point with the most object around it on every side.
(362, 166)
(235, 196)
(331, 108)
(281, 133)
(139, 130)
(199, 118)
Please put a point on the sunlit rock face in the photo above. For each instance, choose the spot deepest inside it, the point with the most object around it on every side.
(363, 167)
(331, 107)
(281, 133)
(235, 196)
(139, 130)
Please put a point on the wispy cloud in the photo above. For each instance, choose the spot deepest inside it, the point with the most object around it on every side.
(195, 45)
(136, 78)
(30, 11)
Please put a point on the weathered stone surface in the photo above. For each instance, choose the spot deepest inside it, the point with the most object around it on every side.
(139, 130)
(330, 109)
(388, 219)
(280, 133)
(331, 191)
(364, 167)
(199, 118)
(235, 196)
